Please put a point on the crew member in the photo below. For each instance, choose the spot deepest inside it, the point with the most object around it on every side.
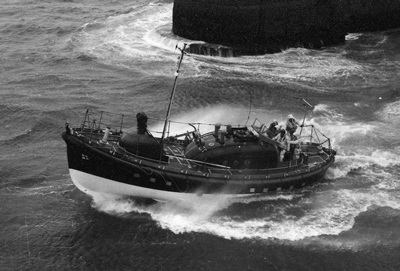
(281, 139)
(272, 131)
(292, 124)
(292, 145)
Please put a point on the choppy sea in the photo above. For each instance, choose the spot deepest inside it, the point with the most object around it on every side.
(58, 58)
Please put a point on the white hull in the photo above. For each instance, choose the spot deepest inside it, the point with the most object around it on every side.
(91, 184)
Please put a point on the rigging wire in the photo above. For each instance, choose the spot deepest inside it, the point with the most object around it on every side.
(248, 117)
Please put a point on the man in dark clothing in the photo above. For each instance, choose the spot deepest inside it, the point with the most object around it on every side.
(272, 131)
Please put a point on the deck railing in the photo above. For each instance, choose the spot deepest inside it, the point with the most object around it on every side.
(308, 133)
(99, 120)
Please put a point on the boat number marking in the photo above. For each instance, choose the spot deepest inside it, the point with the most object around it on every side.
(85, 157)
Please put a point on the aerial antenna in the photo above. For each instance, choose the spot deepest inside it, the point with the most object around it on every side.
(305, 114)
(248, 117)
(173, 89)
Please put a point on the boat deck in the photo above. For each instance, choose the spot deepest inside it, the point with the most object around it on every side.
(176, 158)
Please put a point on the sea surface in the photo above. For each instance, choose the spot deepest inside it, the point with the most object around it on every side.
(58, 58)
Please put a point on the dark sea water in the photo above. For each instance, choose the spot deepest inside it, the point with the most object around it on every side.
(58, 58)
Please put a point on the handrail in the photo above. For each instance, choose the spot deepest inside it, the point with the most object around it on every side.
(122, 122)
(314, 134)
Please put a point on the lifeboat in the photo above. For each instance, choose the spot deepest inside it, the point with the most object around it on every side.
(229, 161)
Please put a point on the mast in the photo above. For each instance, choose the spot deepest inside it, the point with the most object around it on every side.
(305, 114)
(173, 90)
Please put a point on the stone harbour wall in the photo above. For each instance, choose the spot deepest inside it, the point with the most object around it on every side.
(369, 15)
(267, 26)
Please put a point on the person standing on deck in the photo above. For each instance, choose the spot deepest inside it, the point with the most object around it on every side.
(292, 124)
(272, 130)
(291, 127)
(281, 139)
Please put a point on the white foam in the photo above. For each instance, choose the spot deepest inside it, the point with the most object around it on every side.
(147, 31)
(124, 35)
(293, 65)
(328, 111)
(109, 203)
(324, 213)
(358, 144)
(390, 113)
(353, 36)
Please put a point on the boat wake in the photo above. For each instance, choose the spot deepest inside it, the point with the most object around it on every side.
(290, 217)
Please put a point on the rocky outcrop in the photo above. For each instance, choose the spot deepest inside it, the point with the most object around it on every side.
(266, 26)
